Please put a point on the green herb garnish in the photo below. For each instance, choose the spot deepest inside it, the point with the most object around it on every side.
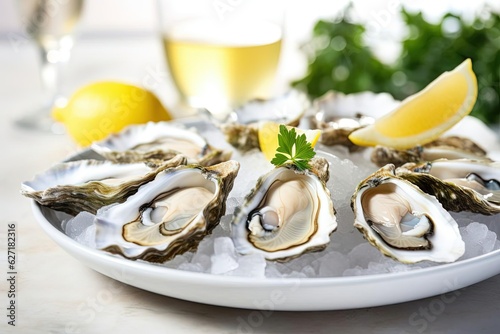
(293, 148)
(340, 60)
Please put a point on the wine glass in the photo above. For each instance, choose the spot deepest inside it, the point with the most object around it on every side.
(221, 54)
(50, 24)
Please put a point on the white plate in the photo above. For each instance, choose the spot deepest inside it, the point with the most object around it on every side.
(290, 294)
(311, 294)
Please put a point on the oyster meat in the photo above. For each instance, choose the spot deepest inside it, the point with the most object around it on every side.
(169, 215)
(403, 222)
(288, 213)
(460, 185)
(159, 141)
(87, 185)
(241, 130)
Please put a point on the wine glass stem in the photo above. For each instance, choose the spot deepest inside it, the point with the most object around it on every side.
(41, 118)
(49, 75)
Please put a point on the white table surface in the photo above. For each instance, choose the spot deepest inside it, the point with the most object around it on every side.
(57, 294)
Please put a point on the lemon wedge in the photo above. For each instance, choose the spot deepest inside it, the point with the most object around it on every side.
(101, 108)
(424, 116)
(268, 137)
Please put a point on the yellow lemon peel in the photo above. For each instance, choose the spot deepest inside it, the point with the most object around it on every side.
(426, 115)
(102, 108)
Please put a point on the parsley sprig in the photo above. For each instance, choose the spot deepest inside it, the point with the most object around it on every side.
(293, 148)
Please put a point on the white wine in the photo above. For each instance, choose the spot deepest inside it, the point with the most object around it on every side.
(219, 67)
(50, 21)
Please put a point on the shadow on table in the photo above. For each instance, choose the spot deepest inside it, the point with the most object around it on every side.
(474, 309)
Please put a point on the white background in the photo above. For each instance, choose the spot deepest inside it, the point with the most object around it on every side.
(128, 16)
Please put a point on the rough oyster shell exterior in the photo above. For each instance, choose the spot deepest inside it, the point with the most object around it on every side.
(154, 225)
(241, 130)
(337, 114)
(159, 141)
(88, 185)
(436, 230)
(440, 179)
(449, 147)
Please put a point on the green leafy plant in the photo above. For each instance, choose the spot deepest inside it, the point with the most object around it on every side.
(339, 60)
(293, 148)
(431, 50)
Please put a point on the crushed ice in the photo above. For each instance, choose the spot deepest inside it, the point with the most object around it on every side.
(348, 254)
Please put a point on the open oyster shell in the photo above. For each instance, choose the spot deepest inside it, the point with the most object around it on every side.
(449, 147)
(288, 213)
(403, 222)
(159, 141)
(338, 114)
(460, 185)
(87, 185)
(169, 215)
(241, 130)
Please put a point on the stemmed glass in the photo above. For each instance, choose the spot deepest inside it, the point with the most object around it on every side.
(221, 54)
(50, 24)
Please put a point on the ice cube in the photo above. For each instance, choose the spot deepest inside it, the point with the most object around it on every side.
(478, 239)
(231, 204)
(296, 274)
(87, 238)
(77, 225)
(195, 267)
(252, 265)
(272, 271)
(203, 253)
(177, 261)
(224, 258)
(308, 271)
(225, 222)
(333, 264)
(223, 263)
(252, 165)
(489, 241)
(363, 254)
(355, 271)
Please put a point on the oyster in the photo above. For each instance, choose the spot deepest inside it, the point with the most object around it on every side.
(87, 185)
(450, 147)
(169, 215)
(288, 213)
(241, 130)
(403, 222)
(460, 185)
(338, 114)
(159, 141)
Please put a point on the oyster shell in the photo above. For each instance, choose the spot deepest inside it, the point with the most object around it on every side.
(403, 222)
(450, 147)
(460, 185)
(241, 130)
(87, 185)
(288, 213)
(169, 215)
(159, 141)
(338, 114)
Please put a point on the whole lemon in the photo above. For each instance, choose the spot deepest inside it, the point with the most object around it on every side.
(99, 109)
